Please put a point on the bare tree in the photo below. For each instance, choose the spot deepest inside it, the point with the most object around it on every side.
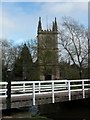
(6, 53)
(73, 39)
(32, 46)
(9, 53)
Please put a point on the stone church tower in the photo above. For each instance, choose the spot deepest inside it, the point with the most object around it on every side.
(48, 52)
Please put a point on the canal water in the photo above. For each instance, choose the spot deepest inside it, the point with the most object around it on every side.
(74, 110)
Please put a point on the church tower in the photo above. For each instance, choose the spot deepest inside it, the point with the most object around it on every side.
(48, 51)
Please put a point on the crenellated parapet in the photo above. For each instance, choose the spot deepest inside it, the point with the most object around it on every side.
(54, 28)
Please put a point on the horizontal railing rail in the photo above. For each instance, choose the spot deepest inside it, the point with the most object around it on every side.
(24, 88)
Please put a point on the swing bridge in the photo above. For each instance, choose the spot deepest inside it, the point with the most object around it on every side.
(29, 93)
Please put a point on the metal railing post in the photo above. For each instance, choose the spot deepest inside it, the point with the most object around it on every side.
(33, 93)
(24, 87)
(8, 105)
(69, 92)
(5, 87)
(53, 99)
(83, 89)
(39, 86)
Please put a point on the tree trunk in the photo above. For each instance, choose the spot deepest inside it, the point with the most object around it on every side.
(80, 72)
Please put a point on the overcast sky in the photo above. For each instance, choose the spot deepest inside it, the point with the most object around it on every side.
(19, 19)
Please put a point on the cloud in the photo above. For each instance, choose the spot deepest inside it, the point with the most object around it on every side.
(56, 8)
(79, 11)
(7, 22)
(63, 8)
(20, 20)
(17, 23)
(45, 0)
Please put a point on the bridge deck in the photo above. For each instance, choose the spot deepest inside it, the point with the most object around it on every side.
(25, 101)
(28, 93)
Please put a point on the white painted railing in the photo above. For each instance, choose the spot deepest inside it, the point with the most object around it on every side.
(26, 88)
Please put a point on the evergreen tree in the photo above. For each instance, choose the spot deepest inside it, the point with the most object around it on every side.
(23, 65)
